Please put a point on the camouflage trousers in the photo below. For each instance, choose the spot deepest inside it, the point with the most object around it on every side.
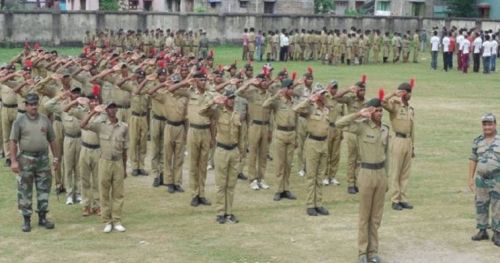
(33, 169)
(488, 193)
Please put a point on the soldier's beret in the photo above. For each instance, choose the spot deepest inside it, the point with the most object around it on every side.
(286, 83)
(31, 98)
(361, 85)
(375, 102)
(405, 86)
(229, 94)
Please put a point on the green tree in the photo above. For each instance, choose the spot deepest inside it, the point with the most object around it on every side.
(109, 5)
(462, 8)
(323, 6)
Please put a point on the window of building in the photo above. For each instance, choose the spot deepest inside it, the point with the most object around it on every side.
(148, 5)
(243, 3)
(383, 6)
(268, 7)
(418, 9)
(358, 4)
(214, 3)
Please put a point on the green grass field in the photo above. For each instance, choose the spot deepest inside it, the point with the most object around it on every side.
(163, 228)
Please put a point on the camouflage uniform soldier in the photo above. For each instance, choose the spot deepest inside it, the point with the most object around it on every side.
(34, 133)
(484, 173)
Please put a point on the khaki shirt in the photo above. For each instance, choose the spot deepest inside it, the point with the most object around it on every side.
(284, 115)
(352, 102)
(255, 99)
(228, 124)
(33, 135)
(138, 102)
(197, 101)
(88, 136)
(372, 140)
(401, 116)
(318, 119)
(336, 108)
(113, 138)
(9, 97)
(71, 125)
(174, 105)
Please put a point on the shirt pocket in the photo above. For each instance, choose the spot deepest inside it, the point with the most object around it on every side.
(369, 138)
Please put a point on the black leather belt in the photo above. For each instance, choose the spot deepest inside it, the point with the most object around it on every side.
(175, 123)
(74, 136)
(373, 166)
(226, 146)
(21, 111)
(317, 138)
(91, 146)
(10, 105)
(332, 124)
(123, 106)
(260, 122)
(402, 135)
(284, 128)
(139, 114)
(158, 117)
(303, 115)
(57, 118)
(199, 126)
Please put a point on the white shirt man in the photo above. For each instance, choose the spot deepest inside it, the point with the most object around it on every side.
(435, 43)
(460, 40)
(478, 43)
(282, 40)
(446, 44)
(494, 47)
(486, 48)
(465, 46)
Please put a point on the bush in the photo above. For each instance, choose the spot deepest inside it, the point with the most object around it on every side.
(109, 5)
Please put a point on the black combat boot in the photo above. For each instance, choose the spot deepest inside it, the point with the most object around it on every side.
(496, 238)
(42, 220)
(481, 235)
(27, 224)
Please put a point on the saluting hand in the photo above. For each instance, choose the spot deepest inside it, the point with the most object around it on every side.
(367, 112)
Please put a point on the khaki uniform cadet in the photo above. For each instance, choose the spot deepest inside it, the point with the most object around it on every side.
(484, 173)
(405, 47)
(298, 48)
(88, 163)
(285, 138)
(377, 46)
(336, 52)
(34, 134)
(372, 140)
(308, 43)
(415, 43)
(369, 45)
(291, 47)
(9, 114)
(316, 150)
(71, 144)
(258, 131)
(196, 44)
(328, 56)
(355, 48)
(334, 135)
(198, 139)
(362, 47)
(303, 92)
(343, 46)
(50, 87)
(396, 48)
(386, 48)
(113, 139)
(251, 44)
(354, 103)
(275, 41)
(241, 106)
(138, 121)
(323, 39)
(349, 50)
(402, 117)
(226, 154)
(174, 134)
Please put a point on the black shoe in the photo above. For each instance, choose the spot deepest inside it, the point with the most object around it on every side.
(220, 219)
(356, 189)
(135, 172)
(397, 206)
(7, 162)
(374, 259)
(406, 205)
(322, 211)
(481, 235)
(156, 182)
(241, 176)
(143, 172)
(351, 190)
(195, 201)
(231, 219)
(60, 189)
(42, 221)
(312, 211)
(178, 188)
(204, 201)
(26, 224)
(288, 195)
(269, 157)
(496, 238)
(170, 188)
(277, 196)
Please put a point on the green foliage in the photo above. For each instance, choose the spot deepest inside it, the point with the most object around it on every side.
(200, 9)
(109, 5)
(462, 8)
(323, 6)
